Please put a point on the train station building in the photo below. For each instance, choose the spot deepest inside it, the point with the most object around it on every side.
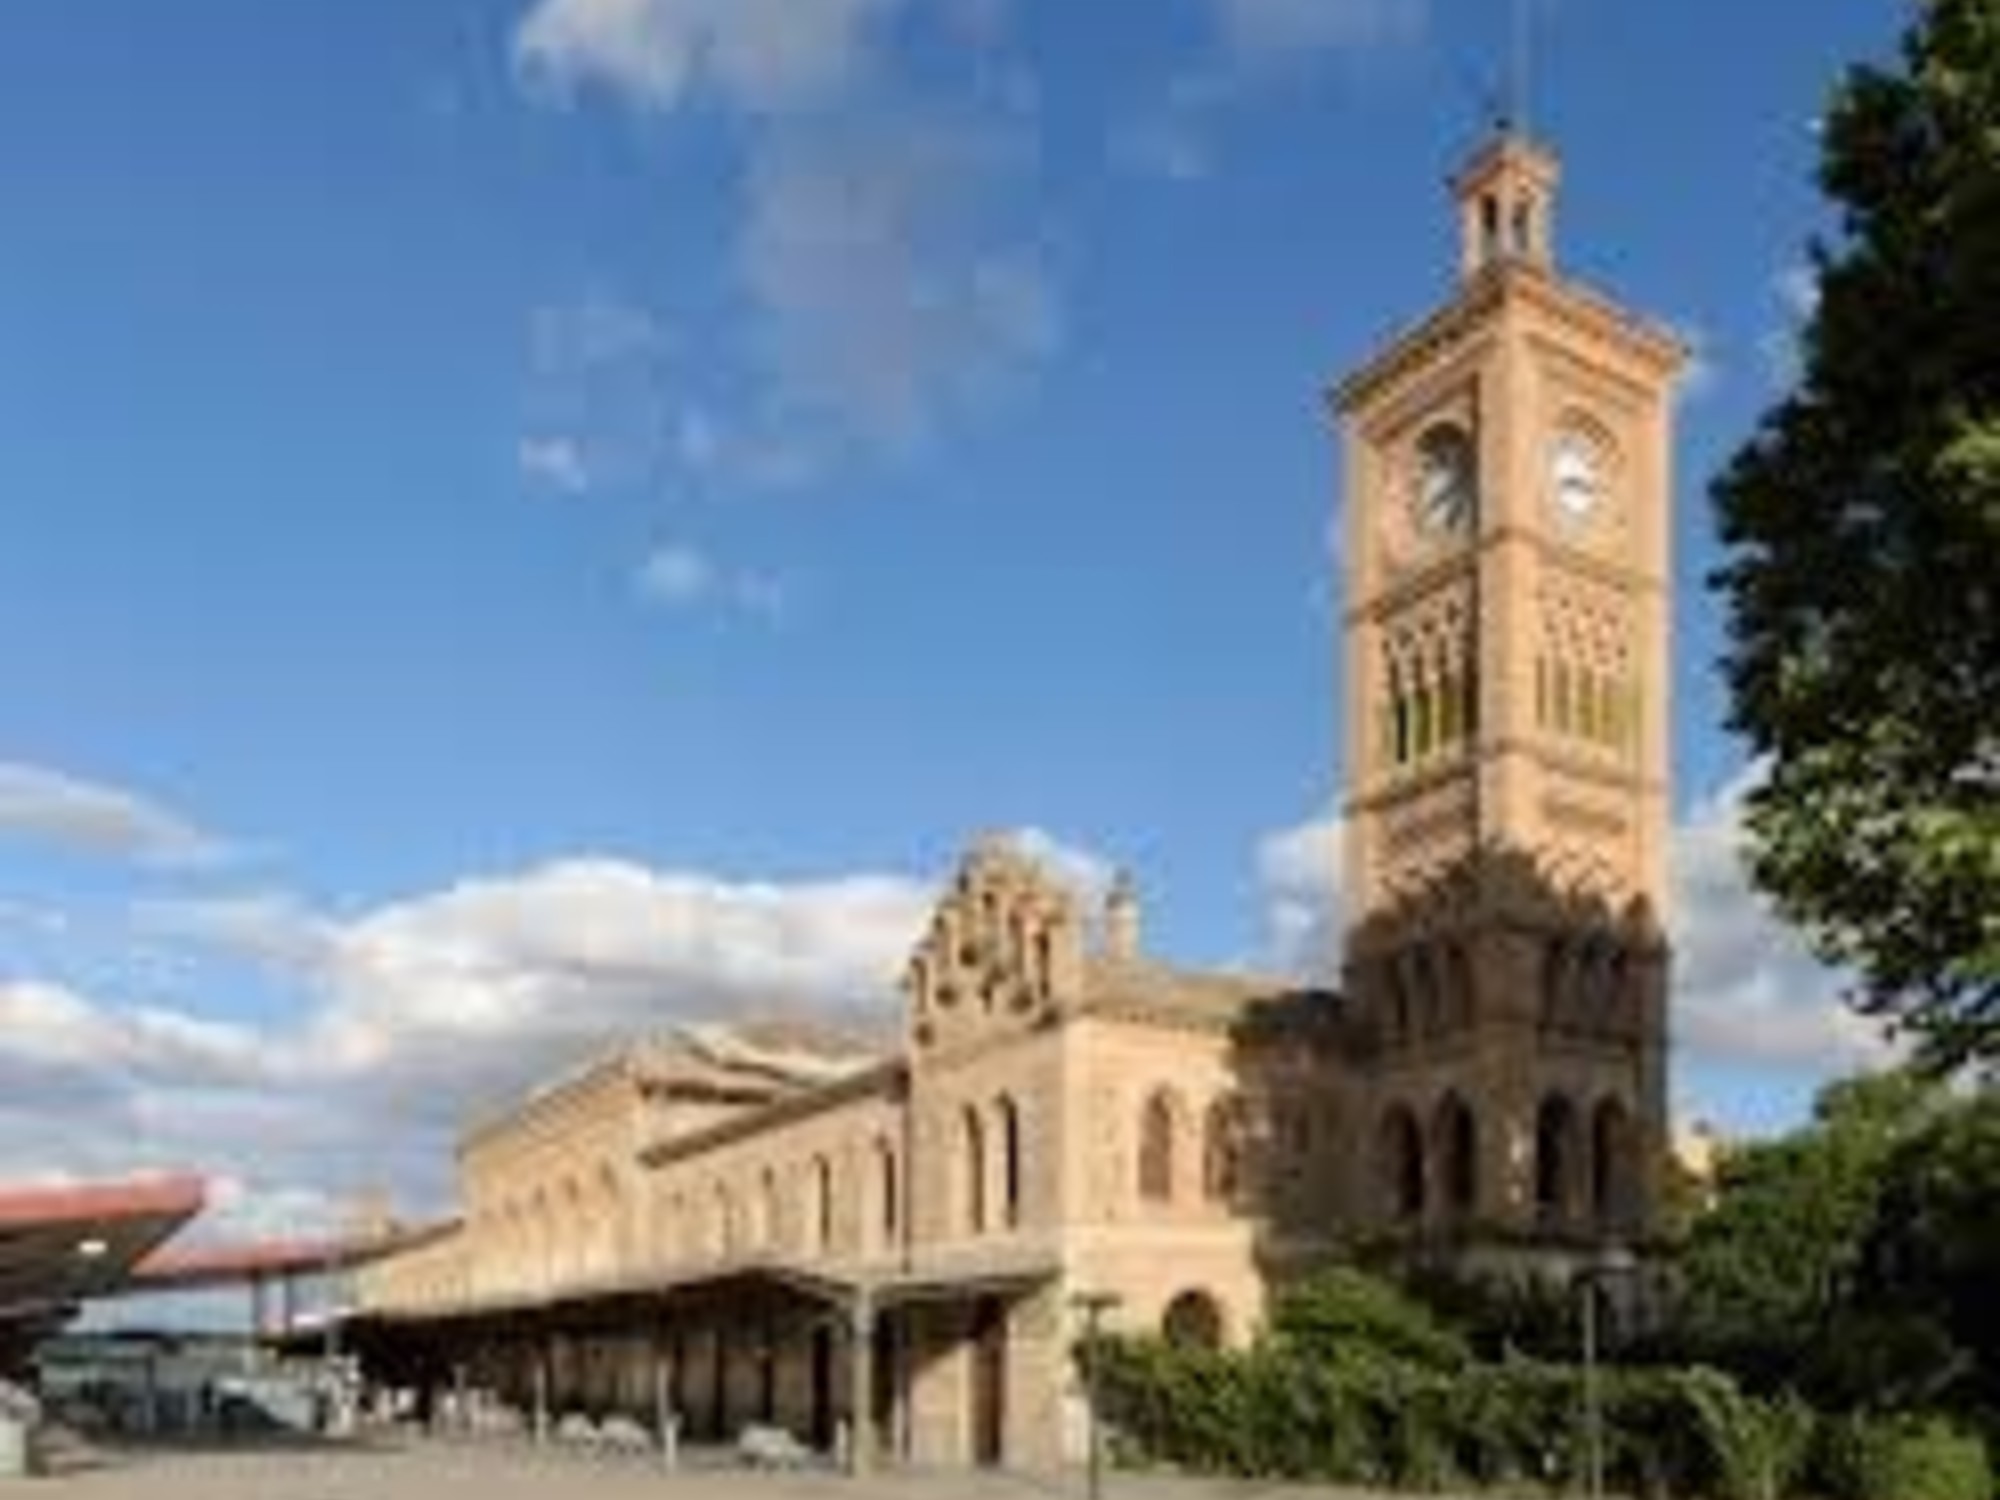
(888, 1249)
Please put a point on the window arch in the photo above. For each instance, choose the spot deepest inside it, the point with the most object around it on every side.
(1222, 1151)
(1555, 969)
(1614, 1166)
(1401, 1151)
(722, 1223)
(1555, 1157)
(974, 1168)
(822, 1202)
(764, 1216)
(1193, 1320)
(1009, 1116)
(1156, 1148)
(888, 1185)
(1457, 1133)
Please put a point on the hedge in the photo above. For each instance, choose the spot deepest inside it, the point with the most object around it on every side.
(1366, 1419)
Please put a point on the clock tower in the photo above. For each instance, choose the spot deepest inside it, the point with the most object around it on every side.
(1508, 489)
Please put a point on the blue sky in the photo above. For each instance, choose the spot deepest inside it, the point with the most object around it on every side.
(532, 520)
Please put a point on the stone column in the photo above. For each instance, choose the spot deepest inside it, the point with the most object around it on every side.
(861, 1384)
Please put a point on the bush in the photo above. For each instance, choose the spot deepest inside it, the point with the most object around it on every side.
(1358, 1385)
(1898, 1458)
(1343, 1314)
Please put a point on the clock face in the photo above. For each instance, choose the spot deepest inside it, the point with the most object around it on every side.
(1576, 477)
(1446, 491)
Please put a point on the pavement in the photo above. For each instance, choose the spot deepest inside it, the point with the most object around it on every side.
(426, 1470)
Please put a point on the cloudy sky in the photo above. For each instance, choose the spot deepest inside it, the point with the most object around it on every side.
(528, 521)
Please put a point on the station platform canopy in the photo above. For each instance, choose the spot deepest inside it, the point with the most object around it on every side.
(61, 1246)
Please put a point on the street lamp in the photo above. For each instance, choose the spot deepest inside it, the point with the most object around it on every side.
(1093, 1306)
(1610, 1264)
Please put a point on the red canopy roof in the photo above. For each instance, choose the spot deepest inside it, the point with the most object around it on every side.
(64, 1244)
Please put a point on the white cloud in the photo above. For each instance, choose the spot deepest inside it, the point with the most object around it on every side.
(760, 56)
(1087, 873)
(677, 575)
(91, 817)
(1300, 870)
(1253, 42)
(1796, 288)
(1262, 30)
(419, 1016)
(882, 289)
(272, 928)
(680, 576)
(886, 294)
(556, 462)
(1745, 988)
(600, 391)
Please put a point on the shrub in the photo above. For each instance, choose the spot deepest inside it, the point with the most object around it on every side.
(1898, 1458)
(1343, 1314)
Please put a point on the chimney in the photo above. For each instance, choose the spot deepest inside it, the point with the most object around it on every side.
(1121, 920)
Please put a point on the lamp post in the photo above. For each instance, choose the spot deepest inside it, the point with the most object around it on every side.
(1611, 1263)
(1093, 1306)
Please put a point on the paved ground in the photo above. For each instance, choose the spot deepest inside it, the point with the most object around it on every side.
(442, 1471)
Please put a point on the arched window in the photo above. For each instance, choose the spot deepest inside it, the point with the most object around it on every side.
(975, 1170)
(607, 1240)
(1555, 1157)
(1430, 996)
(1401, 1151)
(822, 1201)
(1222, 1151)
(764, 1218)
(1457, 1135)
(722, 1224)
(1193, 1320)
(1457, 987)
(888, 1185)
(1156, 1148)
(1009, 1116)
(1613, 1165)
(1399, 714)
(1555, 966)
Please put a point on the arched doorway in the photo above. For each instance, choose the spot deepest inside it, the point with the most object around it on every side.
(1457, 1136)
(1555, 1158)
(1193, 1320)
(1400, 1151)
(1614, 1166)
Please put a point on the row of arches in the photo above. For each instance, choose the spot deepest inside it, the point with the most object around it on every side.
(570, 1230)
(1581, 702)
(783, 1210)
(1584, 979)
(1226, 1137)
(1430, 991)
(1583, 1165)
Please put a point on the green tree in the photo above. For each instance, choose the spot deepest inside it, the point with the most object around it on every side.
(1862, 570)
(1771, 1272)
(1934, 1250)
